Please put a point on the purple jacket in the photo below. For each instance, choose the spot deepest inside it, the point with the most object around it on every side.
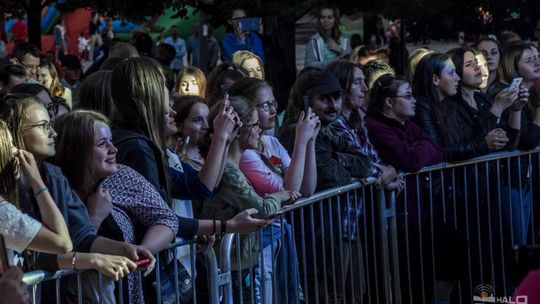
(406, 147)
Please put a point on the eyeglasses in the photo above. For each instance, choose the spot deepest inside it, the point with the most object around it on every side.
(255, 125)
(407, 97)
(29, 67)
(44, 126)
(267, 105)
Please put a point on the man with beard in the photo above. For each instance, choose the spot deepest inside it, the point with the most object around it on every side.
(338, 164)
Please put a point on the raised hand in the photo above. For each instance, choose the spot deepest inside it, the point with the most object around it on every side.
(307, 127)
(28, 167)
(227, 122)
(522, 99)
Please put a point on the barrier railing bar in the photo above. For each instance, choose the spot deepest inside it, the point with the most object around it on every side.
(382, 242)
(484, 158)
(314, 251)
(225, 258)
(394, 246)
(212, 267)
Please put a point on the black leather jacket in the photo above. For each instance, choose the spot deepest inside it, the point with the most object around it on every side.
(465, 127)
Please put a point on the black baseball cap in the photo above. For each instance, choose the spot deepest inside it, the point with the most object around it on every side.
(71, 62)
(322, 82)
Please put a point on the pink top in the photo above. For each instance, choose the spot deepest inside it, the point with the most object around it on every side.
(264, 180)
(528, 289)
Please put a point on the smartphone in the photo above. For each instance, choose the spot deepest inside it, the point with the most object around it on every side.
(249, 24)
(4, 262)
(305, 104)
(185, 141)
(142, 262)
(515, 83)
(223, 89)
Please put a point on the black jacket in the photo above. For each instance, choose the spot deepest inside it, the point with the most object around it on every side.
(463, 136)
(337, 162)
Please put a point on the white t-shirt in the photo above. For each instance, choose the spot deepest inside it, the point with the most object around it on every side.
(18, 228)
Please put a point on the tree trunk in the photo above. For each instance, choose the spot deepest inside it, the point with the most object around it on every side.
(279, 50)
(34, 22)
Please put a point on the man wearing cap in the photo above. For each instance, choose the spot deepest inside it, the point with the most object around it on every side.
(338, 164)
(71, 65)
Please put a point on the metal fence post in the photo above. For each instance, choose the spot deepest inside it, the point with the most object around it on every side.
(394, 258)
(225, 258)
(213, 275)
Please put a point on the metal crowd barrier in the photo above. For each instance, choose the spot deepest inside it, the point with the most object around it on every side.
(446, 236)
(338, 246)
(35, 279)
(458, 224)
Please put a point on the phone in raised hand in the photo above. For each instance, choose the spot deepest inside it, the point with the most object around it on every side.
(305, 104)
(515, 83)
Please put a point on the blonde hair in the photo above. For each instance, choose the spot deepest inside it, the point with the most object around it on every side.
(413, 61)
(239, 57)
(56, 89)
(8, 180)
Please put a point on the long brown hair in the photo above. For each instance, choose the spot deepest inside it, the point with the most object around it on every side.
(197, 74)
(139, 98)
(75, 143)
(249, 88)
(335, 33)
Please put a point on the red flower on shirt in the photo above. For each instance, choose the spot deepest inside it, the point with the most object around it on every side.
(275, 160)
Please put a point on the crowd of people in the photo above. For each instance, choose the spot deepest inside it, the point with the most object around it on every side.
(104, 168)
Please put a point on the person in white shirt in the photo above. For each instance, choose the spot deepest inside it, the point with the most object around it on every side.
(180, 46)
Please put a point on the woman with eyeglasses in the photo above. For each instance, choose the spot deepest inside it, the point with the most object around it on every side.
(21, 231)
(270, 168)
(399, 141)
(31, 129)
(236, 193)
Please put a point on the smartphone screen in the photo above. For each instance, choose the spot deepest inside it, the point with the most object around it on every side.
(305, 104)
(249, 24)
(515, 83)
